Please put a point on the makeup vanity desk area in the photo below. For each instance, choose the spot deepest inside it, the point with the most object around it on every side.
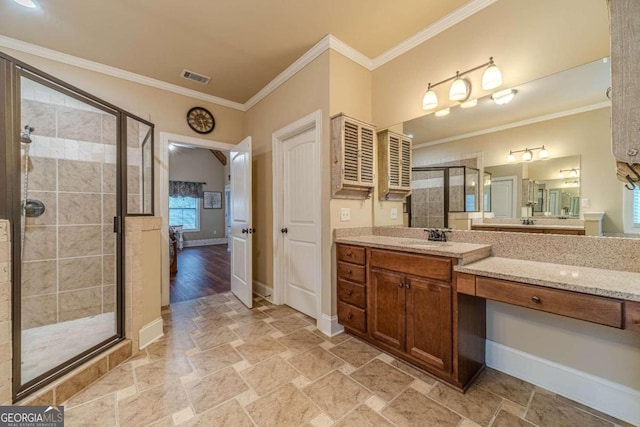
(425, 302)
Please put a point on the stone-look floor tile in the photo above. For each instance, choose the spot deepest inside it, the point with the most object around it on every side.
(593, 411)
(321, 420)
(214, 322)
(215, 359)
(284, 407)
(355, 352)
(382, 379)
(477, 404)
(375, 403)
(505, 386)
(288, 324)
(253, 331)
(248, 317)
(152, 405)
(268, 375)
(315, 363)
(336, 394)
(230, 414)
(260, 349)
(211, 310)
(546, 410)
(163, 349)
(215, 389)
(210, 339)
(363, 416)
(513, 408)
(165, 422)
(98, 413)
(300, 340)
(214, 299)
(119, 378)
(280, 311)
(415, 409)
(161, 371)
(183, 416)
(507, 419)
(466, 422)
(414, 372)
(421, 386)
(337, 339)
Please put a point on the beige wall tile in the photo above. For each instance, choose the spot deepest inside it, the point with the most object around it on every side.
(39, 310)
(50, 208)
(120, 354)
(5, 331)
(109, 299)
(133, 179)
(79, 208)
(109, 178)
(79, 176)
(109, 270)
(42, 174)
(81, 380)
(44, 399)
(39, 277)
(40, 243)
(82, 303)
(5, 352)
(4, 230)
(77, 273)
(5, 272)
(133, 129)
(40, 115)
(5, 251)
(109, 129)
(133, 203)
(79, 124)
(108, 209)
(78, 241)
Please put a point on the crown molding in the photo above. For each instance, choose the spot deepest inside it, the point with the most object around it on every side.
(458, 15)
(351, 53)
(86, 64)
(526, 122)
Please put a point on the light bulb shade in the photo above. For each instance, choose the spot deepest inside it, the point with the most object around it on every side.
(430, 100)
(460, 90)
(511, 158)
(26, 3)
(504, 96)
(573, 173)
(560, 174)
(543, 154)
(470, 103)
(443, 112)
(492, 78)
(527, 156)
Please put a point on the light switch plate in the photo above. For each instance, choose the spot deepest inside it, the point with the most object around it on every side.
(394, 213)
(586, 203)
(345, 214)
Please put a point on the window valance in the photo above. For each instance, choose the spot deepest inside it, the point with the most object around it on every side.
(185, 189)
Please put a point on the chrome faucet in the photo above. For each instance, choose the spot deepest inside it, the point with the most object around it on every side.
(527, 221)
(438, 234)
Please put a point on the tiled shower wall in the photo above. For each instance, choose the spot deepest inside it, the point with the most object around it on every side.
(68, 267)
(5, 313)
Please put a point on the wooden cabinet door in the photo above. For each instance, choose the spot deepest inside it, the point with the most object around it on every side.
(387, 301)
(428, 311)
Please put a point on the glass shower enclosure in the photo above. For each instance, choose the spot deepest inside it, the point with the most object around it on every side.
(67, 192)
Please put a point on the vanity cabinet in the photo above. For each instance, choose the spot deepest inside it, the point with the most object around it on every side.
(352, 154)
(352, 292)
(394, 165)
(525, 229)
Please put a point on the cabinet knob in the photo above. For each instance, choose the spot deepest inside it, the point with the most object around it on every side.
(350, 316)
(349, 292)
(400, 285)
(349, 271)
(349, 253)
(408, 286)
(536, 299)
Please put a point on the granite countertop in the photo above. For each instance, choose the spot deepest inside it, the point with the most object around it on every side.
(594, 281)
(553, 227)
(466, 252)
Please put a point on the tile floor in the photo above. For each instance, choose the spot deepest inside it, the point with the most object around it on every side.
(221, 364)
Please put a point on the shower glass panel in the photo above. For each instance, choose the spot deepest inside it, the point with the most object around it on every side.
(428, 198)
(472, 190)
(68, 245)
(139, 167)
(456, 189)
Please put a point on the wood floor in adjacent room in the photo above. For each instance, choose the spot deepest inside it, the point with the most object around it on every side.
(202, 271)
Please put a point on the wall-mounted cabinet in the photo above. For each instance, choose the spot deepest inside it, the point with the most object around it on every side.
(394, 165)
(352, 145)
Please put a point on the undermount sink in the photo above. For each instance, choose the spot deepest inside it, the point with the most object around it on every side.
(420, 244)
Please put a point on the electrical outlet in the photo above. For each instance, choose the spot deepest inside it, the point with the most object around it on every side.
(215, 232)
(345, 214)
(394, 213)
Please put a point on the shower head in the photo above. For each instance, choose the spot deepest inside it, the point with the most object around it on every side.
(25, 135)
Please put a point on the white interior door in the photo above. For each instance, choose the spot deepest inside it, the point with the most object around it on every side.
(301, 222)
(241, 228)
(502, 198)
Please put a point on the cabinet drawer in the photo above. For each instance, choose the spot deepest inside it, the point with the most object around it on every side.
(355, 273)
(466, 283)
(351, 293)
(352, 317)
(605, 311)
(352, 254)
(418, 265)
(632, 316)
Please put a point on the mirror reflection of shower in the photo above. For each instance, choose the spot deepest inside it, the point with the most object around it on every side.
(30, 208)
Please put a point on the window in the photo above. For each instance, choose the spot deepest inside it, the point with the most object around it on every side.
(185, 211)
(632, 211)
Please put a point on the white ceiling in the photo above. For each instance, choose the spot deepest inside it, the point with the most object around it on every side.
(242, 45)
(571, 89)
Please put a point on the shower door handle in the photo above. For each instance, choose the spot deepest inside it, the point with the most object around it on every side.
(117, 224)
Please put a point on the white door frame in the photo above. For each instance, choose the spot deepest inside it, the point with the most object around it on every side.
(311, 121)
(162, 173)
(516, 191)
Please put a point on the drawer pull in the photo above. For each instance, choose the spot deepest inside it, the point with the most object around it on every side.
(349, 271)
(349, 253)
(349, 292)
(350, 316)
(400, 285)
(536, 299)
(408, 286)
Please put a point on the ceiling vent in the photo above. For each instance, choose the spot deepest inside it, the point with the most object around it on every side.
(190, 75)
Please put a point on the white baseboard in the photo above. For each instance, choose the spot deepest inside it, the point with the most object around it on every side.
(150, 333)
(265, 291)
(204, 242)
(329, 325)
(606, 396)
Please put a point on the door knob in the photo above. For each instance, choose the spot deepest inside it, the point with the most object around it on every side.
(252, 230)
(245, 230)
(284, 230)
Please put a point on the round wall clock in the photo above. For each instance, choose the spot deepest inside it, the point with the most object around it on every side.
(201, 120)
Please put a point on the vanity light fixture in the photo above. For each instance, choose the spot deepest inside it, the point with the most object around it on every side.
(470, 103)
(460, 89)
(504, 96)
(527, 154)
(443, 112)
(27, 3)
(573, 172)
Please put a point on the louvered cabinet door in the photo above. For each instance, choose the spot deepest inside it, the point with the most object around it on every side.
(367, 140)
(394, 160)
(405, 164)
(351, 153)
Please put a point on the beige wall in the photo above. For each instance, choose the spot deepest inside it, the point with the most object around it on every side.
(586, 134)
(200, 165)
(528, 39)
